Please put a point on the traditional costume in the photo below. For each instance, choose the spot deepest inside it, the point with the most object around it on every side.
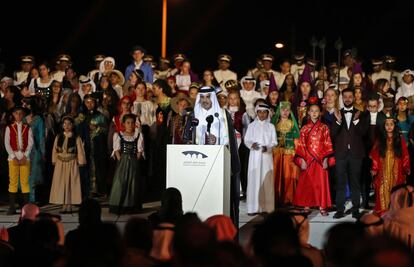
(18, 141)
(286, 173)
(126, 193)
(390, 171)
(260, 181)
(222, 76)
(68, 154)
(314, 147)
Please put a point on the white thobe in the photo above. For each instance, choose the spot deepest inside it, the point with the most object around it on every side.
(260, 185)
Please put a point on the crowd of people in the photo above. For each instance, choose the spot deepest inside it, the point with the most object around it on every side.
(305, 135)
(171, 238)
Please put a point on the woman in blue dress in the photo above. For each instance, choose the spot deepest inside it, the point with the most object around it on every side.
(37, 155)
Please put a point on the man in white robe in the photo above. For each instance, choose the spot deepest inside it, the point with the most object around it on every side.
(260, 138)
(207, 106)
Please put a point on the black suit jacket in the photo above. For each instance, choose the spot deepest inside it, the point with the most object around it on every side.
(373, 130)
(353, 136)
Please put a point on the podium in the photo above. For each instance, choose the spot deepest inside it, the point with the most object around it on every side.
(202, 174)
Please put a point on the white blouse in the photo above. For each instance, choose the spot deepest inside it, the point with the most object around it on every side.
(146, 111)
(117, 141)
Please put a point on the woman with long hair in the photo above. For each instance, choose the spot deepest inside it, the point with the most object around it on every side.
(390, 164)
(404, 120)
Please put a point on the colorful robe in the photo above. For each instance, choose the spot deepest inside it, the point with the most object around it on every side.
(286, 173)
(314, 146)
(391, 171)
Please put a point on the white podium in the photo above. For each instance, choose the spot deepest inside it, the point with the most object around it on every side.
(202, 174)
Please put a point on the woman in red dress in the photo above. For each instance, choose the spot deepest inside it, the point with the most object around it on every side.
(390, 164)
(312, 153)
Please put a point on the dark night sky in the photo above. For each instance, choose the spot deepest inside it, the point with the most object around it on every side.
(202, 29)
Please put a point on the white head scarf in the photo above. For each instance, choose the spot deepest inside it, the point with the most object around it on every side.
(85, 80)
(218, 127)
(102, 64)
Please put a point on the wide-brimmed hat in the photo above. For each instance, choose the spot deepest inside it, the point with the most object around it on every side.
(181, 96)
(117, 73)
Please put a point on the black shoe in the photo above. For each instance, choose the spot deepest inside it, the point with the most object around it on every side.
(356, 214)
(339, 215)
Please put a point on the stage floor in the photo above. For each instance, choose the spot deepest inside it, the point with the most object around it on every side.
(318, 224)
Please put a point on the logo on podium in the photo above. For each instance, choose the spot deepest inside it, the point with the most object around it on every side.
(195, 158)
(196, 153)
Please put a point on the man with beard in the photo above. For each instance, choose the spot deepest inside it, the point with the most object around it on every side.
(347, 132)
(220, 132)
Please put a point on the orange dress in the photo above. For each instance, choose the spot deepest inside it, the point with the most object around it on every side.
(391, 171)
(285, 171)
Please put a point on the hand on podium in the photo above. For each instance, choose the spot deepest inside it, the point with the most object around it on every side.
(210, 139)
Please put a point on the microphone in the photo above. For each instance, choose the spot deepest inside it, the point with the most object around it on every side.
(209, 120)
(194, 123)
(217, 116)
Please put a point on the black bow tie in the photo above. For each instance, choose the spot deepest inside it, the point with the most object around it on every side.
(346, 111)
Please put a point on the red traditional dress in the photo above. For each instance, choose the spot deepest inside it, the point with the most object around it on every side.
(391, 171)
(314, 146)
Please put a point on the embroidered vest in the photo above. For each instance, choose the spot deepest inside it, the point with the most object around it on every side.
(14, 141)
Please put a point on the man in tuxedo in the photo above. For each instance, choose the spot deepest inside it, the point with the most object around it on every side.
(347, 131)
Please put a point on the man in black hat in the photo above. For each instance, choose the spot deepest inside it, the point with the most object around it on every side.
(137, 53)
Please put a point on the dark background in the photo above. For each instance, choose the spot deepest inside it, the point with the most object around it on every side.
(203, 29)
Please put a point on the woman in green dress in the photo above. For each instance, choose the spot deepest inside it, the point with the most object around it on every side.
(128, 147)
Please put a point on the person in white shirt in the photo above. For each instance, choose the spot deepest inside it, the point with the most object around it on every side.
(249, 95)
(18, 141)
(20, 76)
(223, 74)
(297, 68)
(260, 138)
(407, 88)
(64, 62)
(284, 70)
(380, 73)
